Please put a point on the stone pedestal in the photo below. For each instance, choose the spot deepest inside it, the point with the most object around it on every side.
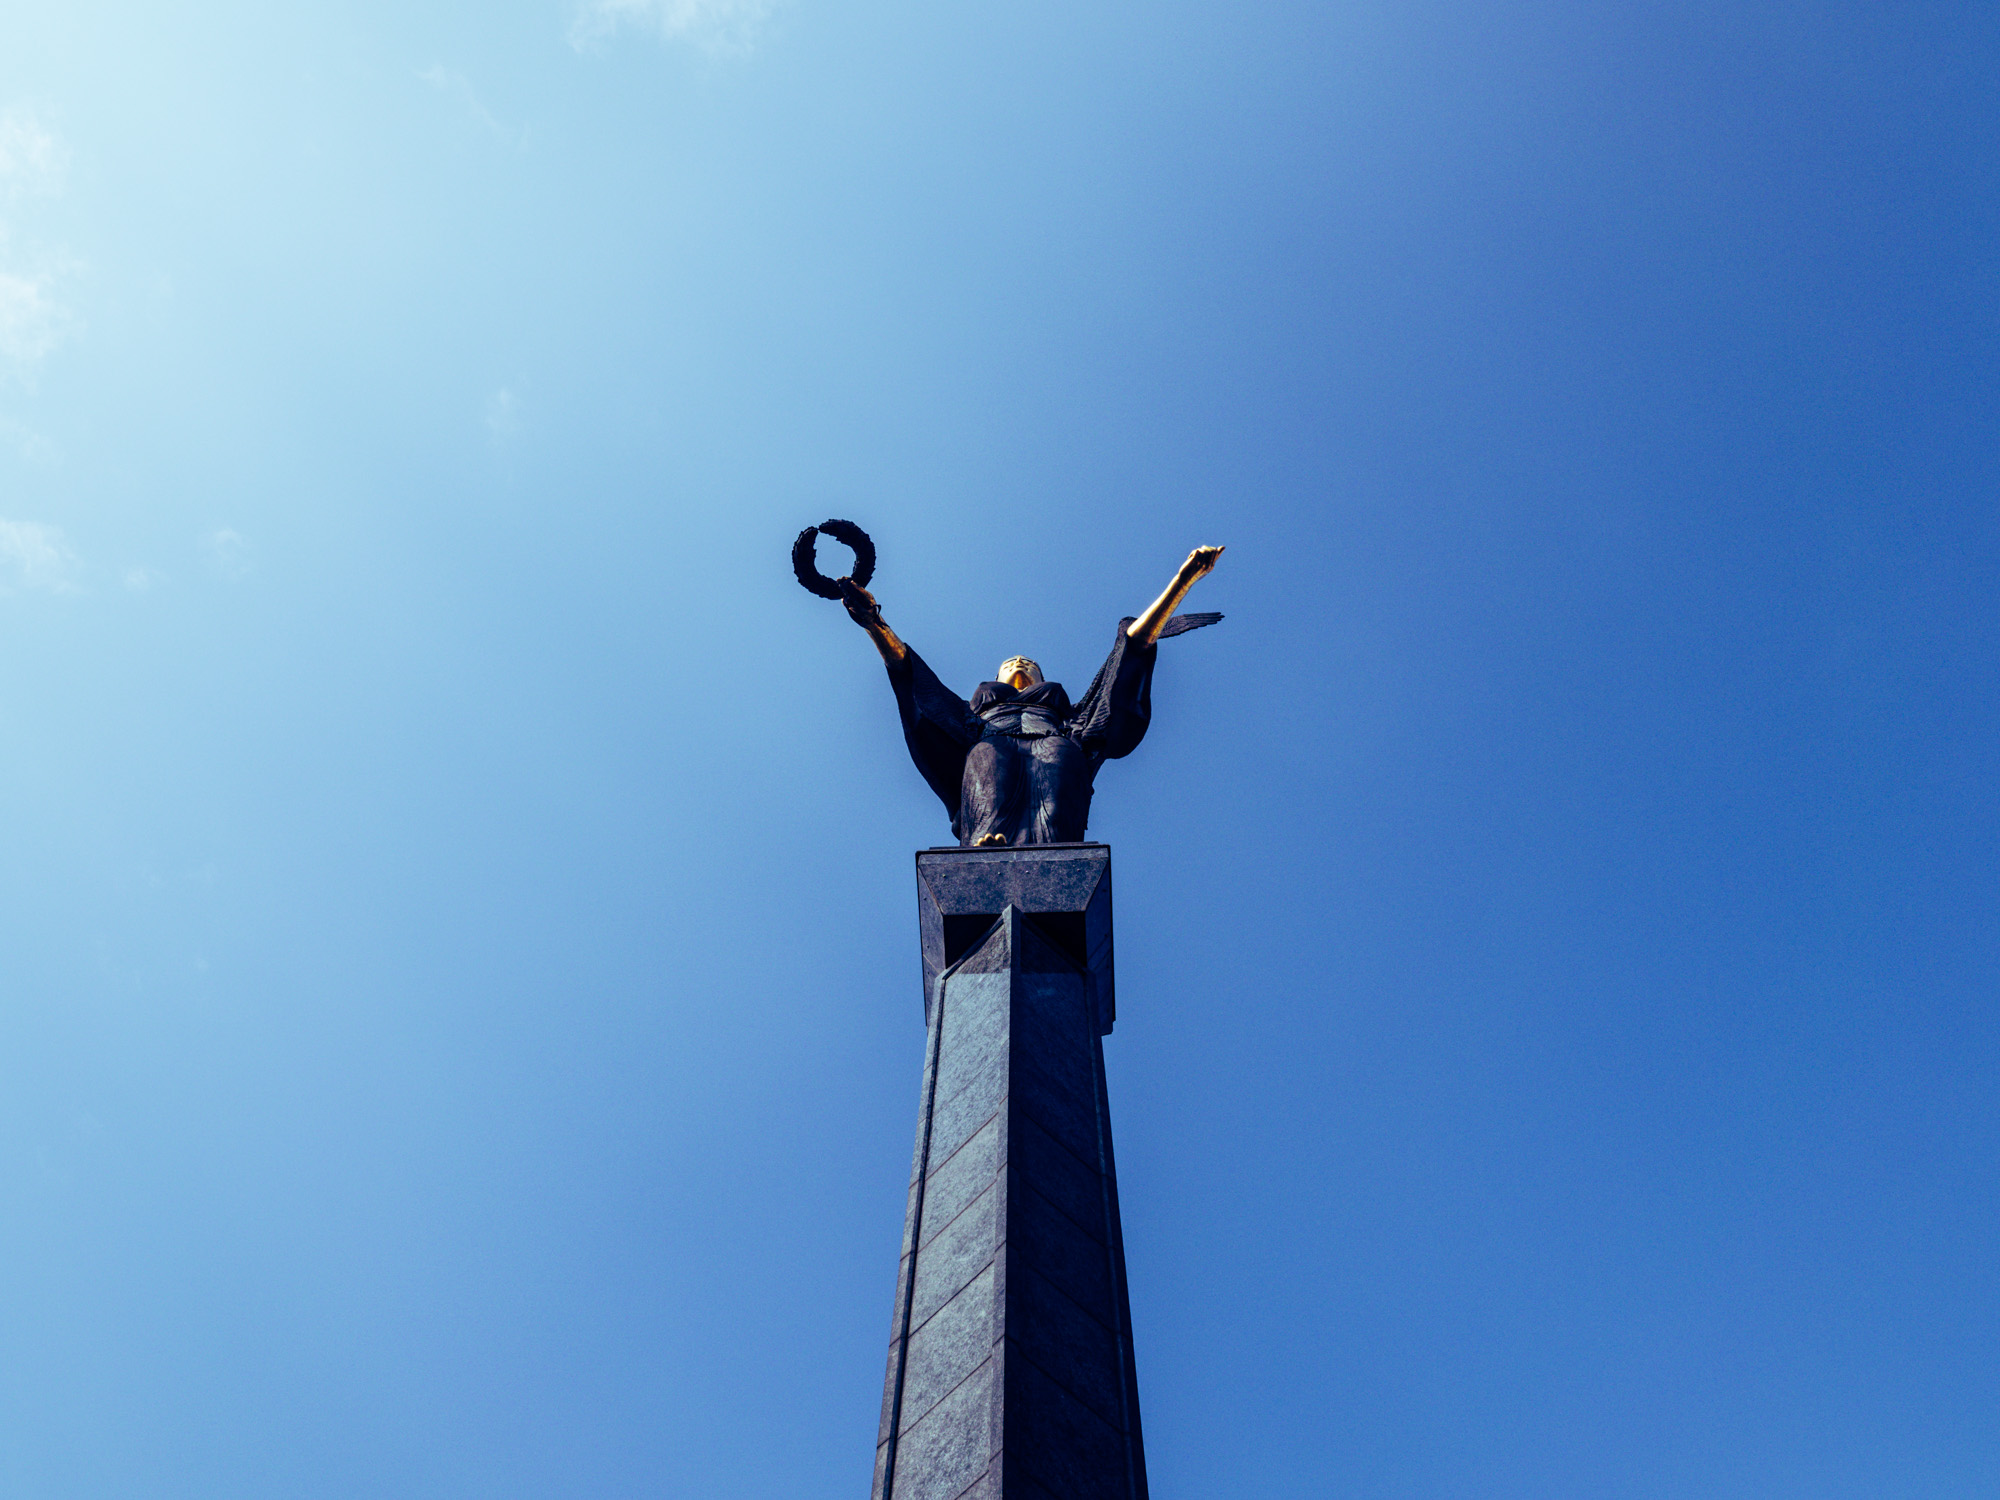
(1010, 1354)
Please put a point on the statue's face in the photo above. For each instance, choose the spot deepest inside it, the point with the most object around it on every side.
(1018, 673)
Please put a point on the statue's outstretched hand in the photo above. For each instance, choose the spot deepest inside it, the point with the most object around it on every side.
(861, 606)
(1200, 562)
(865, 612)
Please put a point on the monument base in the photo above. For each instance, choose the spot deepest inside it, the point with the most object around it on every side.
(1010, 1359)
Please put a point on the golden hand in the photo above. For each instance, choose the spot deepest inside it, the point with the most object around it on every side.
(865, 612)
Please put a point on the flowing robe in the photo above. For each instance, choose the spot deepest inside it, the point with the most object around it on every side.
(1022, 764)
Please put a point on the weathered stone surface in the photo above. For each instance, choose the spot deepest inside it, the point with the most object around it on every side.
(951, 1447)
(957, 1340)
(957, 1180)
(1010, 1365)
(957, 1255)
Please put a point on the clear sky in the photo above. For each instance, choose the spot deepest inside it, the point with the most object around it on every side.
(459, 1008)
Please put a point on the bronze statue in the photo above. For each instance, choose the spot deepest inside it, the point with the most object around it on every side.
(1016, 764)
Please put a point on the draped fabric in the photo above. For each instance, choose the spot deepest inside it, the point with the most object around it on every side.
(1021, 764)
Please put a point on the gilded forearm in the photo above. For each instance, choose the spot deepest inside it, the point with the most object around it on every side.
(1146, 629)
(886, 641)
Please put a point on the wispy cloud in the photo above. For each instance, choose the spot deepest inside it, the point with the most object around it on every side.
(503, 414)
(35, 447)
(459, 90)
(229, 552)
(32, 159)
(716, 26)
(32, 319)
(35, 556)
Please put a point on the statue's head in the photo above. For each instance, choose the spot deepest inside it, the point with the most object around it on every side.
(1018, 673)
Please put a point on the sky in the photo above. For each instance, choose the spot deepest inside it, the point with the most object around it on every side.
(460, 1016)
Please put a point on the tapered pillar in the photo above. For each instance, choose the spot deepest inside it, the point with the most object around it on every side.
(1010, 1355)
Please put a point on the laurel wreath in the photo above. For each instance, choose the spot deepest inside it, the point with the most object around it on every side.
(805, 562)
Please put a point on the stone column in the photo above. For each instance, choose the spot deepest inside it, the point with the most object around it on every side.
(1010, 1354)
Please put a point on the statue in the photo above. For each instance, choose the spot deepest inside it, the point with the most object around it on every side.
(1016, 764)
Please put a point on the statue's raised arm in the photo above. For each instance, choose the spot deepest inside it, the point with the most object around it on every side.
(1017, 762)
(1147, 628)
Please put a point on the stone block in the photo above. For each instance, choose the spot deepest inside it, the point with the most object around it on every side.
(940, 1456)
(961, 1177)
(1058, 1442)
(1066, 1343)
(1073, 1186)
(1049, 1241)
(963, 1249)
(956, 1340)
(976, 1020)
(957, 1120)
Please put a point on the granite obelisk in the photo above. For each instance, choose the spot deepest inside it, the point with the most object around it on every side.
(1010, 1368)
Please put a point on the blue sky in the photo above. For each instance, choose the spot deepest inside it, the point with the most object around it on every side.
(459, 1007)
